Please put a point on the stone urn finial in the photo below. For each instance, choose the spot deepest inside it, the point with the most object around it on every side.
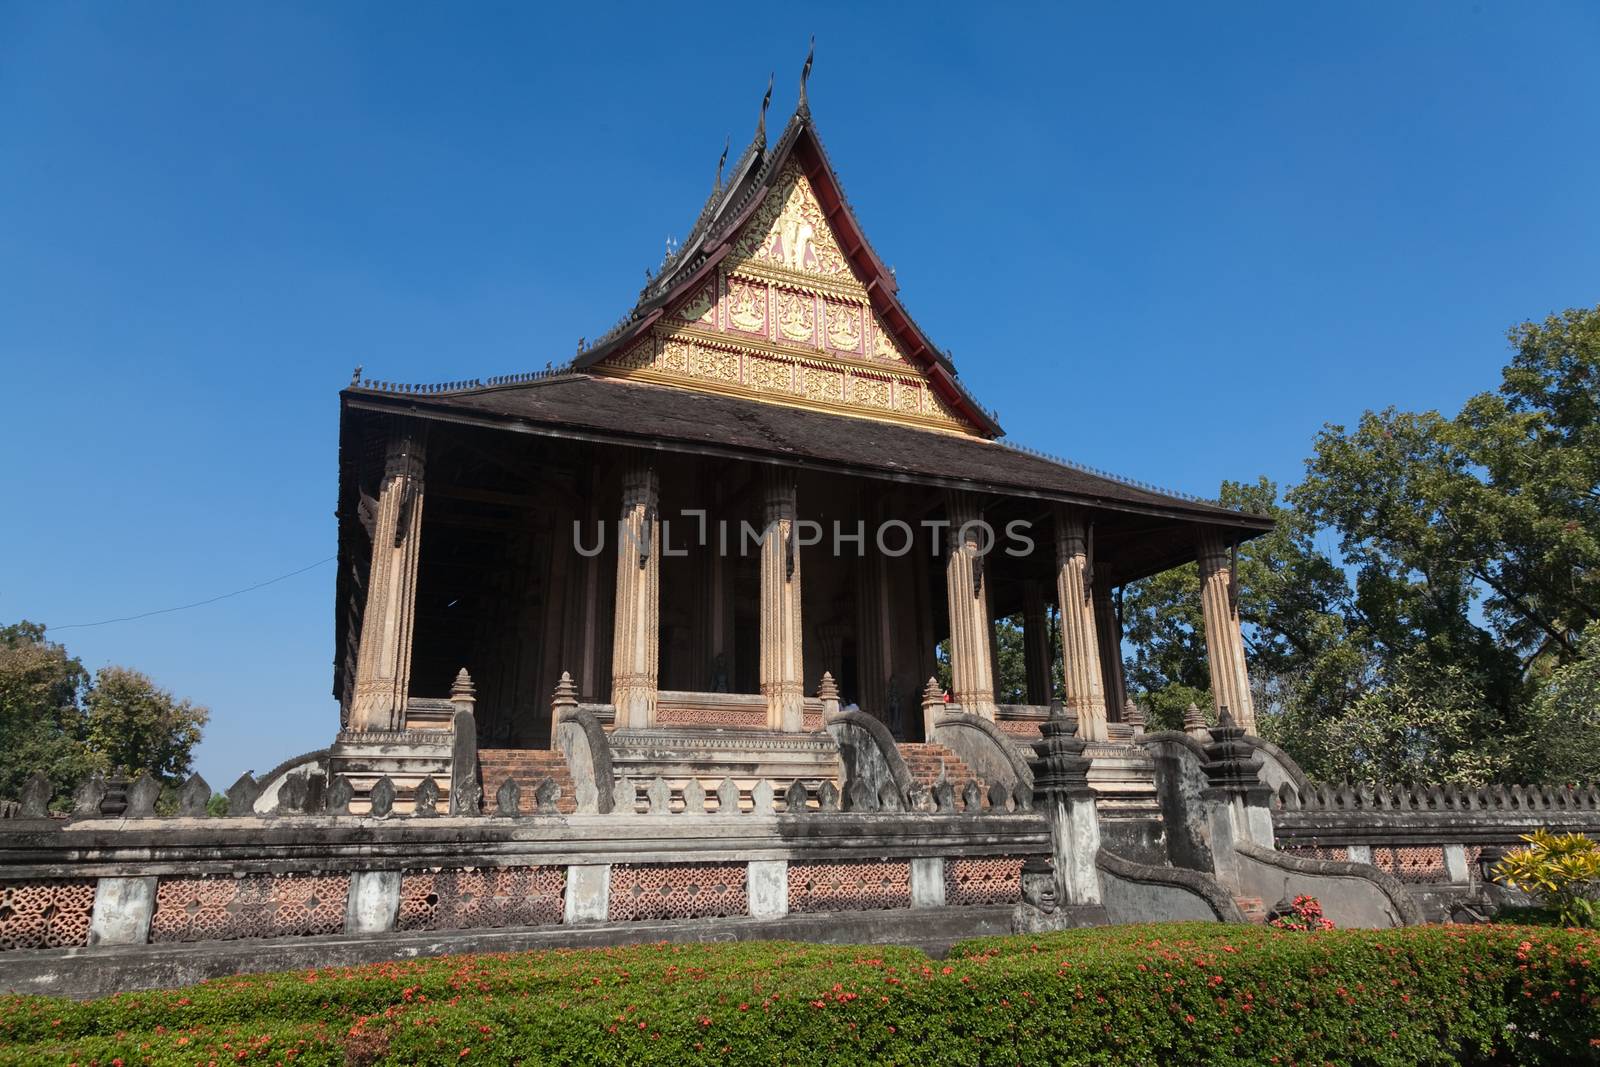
(932, 707)
(1133, 716)
(1194, 724)
(828, 693)
(463, 694)
(565, 696)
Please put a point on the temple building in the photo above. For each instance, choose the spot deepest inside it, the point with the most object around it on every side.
(764, 495)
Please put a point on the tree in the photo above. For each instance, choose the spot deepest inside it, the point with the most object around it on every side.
(1294, 607)
(1562, 742)
(52, 718)
(141, 728)
(42, 724)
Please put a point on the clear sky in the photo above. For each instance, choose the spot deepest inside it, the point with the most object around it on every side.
(1167, 240)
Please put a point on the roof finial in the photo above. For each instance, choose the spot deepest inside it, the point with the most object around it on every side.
(805, 74)
(355, 375)
(721, 162)
(766, 101)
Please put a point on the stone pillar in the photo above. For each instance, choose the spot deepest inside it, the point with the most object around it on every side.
(1061, 785)
(873, 632)
(782, 669)
(927, 882)
(1108, 631)
(1230, 680)
(588, 893)
(967, 591)
(383, 659)
(1036, 642)
(1081, 677)
(122, 911)
(636, 643)
(1235, 792)
(374, 902)
(767, 888)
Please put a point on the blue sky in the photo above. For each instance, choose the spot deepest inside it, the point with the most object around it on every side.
(1169, 241)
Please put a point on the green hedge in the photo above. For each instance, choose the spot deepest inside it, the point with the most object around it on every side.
(1177, 994)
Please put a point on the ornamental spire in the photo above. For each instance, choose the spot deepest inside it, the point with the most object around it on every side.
(804, 108)
(766, 101)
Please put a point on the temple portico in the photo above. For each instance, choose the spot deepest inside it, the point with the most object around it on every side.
(766, 473)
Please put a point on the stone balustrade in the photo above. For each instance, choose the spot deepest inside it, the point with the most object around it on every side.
(117, 873)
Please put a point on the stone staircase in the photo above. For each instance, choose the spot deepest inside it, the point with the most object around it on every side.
(927, 761)
(529, 766)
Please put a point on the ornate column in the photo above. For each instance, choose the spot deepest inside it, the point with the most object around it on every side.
(971, 629)
(1081, 678)
(383, 660)
(1036, 642)
(1108, 629)
(636, 641)
(782, 676)
(1219, 600)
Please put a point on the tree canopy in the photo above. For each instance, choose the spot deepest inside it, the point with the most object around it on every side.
(1420, 609)
(54, 717)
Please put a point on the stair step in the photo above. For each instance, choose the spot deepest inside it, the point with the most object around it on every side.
(926, 762)
(1254, 910)
(528, 767)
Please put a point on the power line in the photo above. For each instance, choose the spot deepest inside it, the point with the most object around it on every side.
(197, 603)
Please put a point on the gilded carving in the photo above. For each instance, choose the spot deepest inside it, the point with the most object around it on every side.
(843, 326)
(871, 392)
(674, 357)
(639, 356)
(823, 384)
(907, 396)
(797, 315)
(790, 230)
(770, 375)
(885, 346)
(715, 363)
(701, 306)
(938, 408)
(747, 305)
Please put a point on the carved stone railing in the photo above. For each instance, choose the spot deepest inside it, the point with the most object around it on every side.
(1428, 837)
(1366, 796)
(117, 874)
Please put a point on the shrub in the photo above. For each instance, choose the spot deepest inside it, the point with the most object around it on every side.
(1304, 914)
(1561, 870)
(1179, 993)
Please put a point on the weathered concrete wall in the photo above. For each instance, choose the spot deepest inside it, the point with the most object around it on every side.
(1138, 893)
(1179, 783)
(102, 971)
(867, 753)
(1351, 894)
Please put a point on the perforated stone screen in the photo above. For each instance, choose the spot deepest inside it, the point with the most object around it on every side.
(990, 880)
(1340, 853)
(45, 914)
(849, 886)
(467, 898)
(683, 891)
(1412, 863)
(222, 907)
